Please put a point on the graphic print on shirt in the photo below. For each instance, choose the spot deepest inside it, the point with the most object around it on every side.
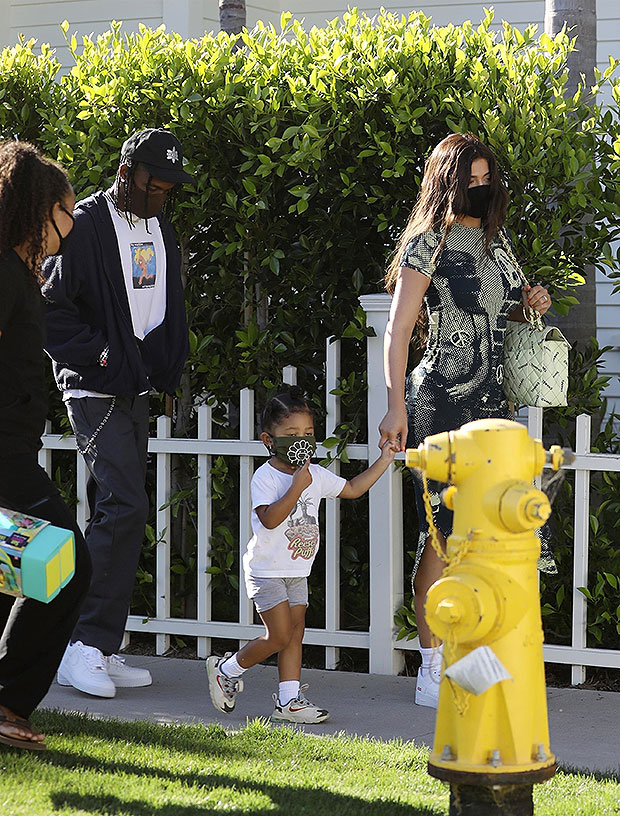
(302, 531)
(143, 265)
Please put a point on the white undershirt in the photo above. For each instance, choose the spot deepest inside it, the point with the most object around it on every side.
(143, 261)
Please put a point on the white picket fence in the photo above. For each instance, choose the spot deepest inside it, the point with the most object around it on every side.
(385, 527)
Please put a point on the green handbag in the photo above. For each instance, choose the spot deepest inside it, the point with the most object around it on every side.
(535, 357)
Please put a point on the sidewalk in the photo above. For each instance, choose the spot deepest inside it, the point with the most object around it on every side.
(584, 725)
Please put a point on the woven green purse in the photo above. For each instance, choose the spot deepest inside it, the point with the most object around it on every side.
(535, 357)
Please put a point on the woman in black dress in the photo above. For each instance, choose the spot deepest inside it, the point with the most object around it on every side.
(451, 257)
(36, 205)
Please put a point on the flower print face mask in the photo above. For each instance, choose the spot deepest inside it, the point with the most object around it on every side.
(293, 450)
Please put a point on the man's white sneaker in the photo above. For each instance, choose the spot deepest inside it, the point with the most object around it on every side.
(84, 668)
(223, 690)
(124, 676)
(299, 710)
(427, 687)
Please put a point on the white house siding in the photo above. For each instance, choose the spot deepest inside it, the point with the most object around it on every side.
(516, 12)
(42, 19)
(193, 17)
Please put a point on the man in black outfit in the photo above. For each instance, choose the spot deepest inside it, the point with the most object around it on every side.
(117, 329)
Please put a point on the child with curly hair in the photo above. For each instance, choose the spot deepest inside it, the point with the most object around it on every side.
(286, 493)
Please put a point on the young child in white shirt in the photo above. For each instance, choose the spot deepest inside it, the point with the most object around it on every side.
(286, 493)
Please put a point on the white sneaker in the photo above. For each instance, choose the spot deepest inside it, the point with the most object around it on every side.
(223, 690)
(299, 710)
(84, 668)
(126, 676)
(427, 687)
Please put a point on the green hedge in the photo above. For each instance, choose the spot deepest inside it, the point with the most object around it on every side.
(308, 150)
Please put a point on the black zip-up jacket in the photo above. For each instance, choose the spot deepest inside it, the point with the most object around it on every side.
(87, 308)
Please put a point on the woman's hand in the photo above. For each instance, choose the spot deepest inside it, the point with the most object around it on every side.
(393, 428)
(538, 298)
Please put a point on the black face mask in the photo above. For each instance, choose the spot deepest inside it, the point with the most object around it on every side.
(478, 200)
(146, 205)
(63, 239)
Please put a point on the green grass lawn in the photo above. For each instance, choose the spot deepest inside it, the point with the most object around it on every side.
(141, 769)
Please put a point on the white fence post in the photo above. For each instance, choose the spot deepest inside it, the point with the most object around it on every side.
(385, 508)
(162, 600)
(204, 531)
(332, 508)
(246, 434)
(289, 375)
(535, 430)
(582, 543)
(45, 454)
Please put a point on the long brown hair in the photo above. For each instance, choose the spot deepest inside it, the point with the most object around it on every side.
(443, 196)
(30, 185)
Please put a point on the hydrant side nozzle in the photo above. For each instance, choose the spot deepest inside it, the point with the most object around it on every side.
(559, 457)
(536, 510)
(414, 457)
(523, 507)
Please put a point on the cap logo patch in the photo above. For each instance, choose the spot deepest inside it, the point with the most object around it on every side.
(172, 154)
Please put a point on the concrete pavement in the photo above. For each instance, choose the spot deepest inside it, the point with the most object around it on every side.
(584, 725)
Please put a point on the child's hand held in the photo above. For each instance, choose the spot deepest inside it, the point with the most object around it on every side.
(390, 449)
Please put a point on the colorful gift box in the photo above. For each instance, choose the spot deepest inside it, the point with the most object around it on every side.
(36, 559)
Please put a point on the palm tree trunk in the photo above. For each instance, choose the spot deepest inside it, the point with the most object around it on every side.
(580, 19)
(232, 16)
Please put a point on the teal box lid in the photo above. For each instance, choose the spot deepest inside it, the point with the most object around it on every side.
(48, 563)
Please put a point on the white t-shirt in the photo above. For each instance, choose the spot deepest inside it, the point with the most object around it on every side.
(143, 258)
(288, 550)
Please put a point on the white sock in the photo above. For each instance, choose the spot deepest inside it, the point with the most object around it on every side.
(231, 667)
(287, 691)
(431, 658)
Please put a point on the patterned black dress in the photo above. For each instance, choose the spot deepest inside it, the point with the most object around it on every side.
(471, 292)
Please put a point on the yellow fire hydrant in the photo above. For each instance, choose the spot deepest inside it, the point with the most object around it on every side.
(491, 736)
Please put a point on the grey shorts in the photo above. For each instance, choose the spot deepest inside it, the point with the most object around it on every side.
(269, 592)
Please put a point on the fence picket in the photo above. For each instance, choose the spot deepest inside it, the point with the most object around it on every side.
(246, 433)
(204, 530)
(580, 562)
(332, 507)
(162, 492)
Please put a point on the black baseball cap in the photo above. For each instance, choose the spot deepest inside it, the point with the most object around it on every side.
(160, 152)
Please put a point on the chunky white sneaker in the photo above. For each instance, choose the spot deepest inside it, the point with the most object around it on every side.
(126, 676)
(427, 687)
(299, 710)
(222, 689)
(84, 668)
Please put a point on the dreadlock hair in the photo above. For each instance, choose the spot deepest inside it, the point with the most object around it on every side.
(290, 401)
(30, 185)
(129, 185)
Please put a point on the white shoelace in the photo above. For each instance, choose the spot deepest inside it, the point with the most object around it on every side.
(116, 660)
(93, 656)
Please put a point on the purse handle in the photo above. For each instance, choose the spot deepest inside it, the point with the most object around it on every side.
(531, 315)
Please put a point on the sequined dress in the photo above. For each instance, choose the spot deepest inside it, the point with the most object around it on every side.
(471, 292)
